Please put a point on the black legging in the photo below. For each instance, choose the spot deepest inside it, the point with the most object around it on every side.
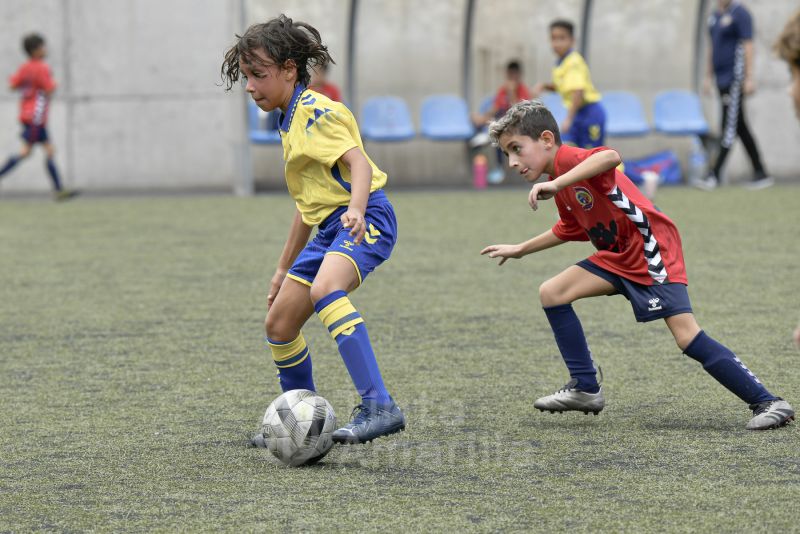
(733, 124)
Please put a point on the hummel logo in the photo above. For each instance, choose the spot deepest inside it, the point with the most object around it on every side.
(654, 306)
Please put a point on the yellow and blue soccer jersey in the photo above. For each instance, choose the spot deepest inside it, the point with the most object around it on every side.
(571, 74)
(315, 133)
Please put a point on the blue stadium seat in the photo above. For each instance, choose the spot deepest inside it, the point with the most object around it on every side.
(624, 114)
(386, 118)
(445, 118)
(263, 127)
(679, 112)
(552, 101)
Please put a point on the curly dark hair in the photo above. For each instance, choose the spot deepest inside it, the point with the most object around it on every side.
(282, 39)
(32, 42)
(788, 44)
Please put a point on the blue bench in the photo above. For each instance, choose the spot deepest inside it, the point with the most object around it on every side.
(445, 118)
(679, 112)
(624, 114)
(263, 127)
(386, 119)
(553, 102)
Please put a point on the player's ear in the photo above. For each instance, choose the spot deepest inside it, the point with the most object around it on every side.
(289, 68)
(548, 138)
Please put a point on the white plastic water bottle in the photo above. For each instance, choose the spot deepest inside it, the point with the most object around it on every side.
(698, 161)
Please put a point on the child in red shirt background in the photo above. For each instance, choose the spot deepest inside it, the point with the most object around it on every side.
(36, 85)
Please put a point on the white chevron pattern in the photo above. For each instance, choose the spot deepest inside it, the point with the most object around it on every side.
(655, 265)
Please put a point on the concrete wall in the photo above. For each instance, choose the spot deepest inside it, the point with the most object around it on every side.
(139, 106)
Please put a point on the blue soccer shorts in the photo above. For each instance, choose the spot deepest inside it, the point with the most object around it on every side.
(33, 134)
(332, 238)
(588, 128)
(648, 302)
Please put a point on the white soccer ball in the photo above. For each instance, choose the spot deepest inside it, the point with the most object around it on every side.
(298, 427)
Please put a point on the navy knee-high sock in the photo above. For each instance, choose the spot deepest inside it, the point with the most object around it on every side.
(10, 164)
(51, 168)
(727, 369)
(572, 344)
(348, 330)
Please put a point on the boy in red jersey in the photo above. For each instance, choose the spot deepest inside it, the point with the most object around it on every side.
(34, 81)
(638, 255)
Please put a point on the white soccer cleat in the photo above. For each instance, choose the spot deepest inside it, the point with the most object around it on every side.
(770, 414)
(569, 399)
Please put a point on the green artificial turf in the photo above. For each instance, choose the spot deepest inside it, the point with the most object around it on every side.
(132, 372)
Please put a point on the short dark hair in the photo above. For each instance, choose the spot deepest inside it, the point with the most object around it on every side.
(565, 24)
(514, 66)
(283, 40)
(32, 42)
(528, 117)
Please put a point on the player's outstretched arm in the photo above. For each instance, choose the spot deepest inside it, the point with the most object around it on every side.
(597, 163)
(542, 241)
(299, 233)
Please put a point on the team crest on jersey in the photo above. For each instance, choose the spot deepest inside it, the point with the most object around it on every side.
(584, 197)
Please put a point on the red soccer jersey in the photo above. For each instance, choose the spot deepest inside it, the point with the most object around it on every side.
(501, 101)
(633, 239)
(329, 90)
(34, 80)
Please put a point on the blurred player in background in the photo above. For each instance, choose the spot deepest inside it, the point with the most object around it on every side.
(512, 91)
(585, 124)
(321, 84)
(36, 85)
(731, 64)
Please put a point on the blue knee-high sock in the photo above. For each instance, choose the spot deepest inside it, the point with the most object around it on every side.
(348, 330)
(572, 344)
(294, 363)
(10, 164)
(51, 168)
(727, 369)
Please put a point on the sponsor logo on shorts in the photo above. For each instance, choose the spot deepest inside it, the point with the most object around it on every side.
(654, 304)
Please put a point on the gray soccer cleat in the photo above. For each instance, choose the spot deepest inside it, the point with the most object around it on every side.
(770, 414)
(569, 399)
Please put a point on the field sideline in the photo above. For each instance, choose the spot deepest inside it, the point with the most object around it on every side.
(132, 371)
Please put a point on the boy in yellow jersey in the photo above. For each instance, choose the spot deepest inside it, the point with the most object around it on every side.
(585, 125)
(337, 188)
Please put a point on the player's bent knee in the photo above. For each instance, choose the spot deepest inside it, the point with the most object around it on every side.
(320, 290)
(279, 329)
(552, 294)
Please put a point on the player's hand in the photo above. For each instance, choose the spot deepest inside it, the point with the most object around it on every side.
(707, 86)
(541, 191)
(749, 86)
(354, 220)
(797, 336)
(503, 252)
(275, 286)
(566, 125)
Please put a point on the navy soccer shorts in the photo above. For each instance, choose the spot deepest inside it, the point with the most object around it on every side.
(33, 134)
(588, 128)
(648, 302)
(332, 238)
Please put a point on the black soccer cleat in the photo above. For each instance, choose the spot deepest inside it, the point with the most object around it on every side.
(370, 421)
